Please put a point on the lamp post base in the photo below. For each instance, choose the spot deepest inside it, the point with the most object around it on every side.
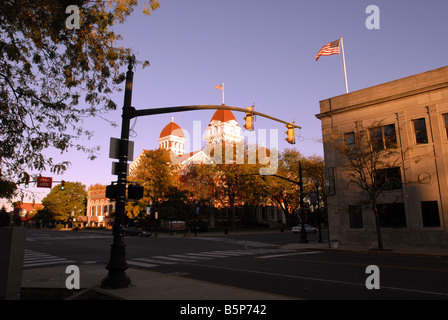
(117, 278)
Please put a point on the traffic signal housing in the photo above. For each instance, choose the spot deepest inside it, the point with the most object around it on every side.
(135, 191)
(62, 185)
(291, 134)
(111, 191)
(27, 180)
(249, 119)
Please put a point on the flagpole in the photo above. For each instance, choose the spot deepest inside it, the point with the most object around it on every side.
(345, 68)
(223, 93)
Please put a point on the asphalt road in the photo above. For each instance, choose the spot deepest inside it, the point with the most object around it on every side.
(254, 261)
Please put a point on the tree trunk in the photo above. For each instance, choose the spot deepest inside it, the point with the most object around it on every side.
(378, 229)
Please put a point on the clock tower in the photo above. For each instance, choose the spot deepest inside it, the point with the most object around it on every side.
(223, 128)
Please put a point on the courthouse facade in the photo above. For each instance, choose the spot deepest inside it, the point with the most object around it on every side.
(410, 117)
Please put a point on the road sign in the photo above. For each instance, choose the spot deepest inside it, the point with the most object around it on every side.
(44, 182)
(120, 146)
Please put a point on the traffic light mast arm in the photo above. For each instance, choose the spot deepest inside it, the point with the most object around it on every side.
(271, 175)
(148, 112)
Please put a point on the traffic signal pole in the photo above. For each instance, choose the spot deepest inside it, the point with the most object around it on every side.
(117, 265)
(149, 112)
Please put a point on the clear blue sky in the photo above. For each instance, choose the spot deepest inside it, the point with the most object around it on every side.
(264, 51)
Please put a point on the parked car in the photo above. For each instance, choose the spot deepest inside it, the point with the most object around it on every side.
(134, 231)
(308, 229)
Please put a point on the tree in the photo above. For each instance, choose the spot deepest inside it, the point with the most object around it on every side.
(52, 78)
(286, 193)
(158, 176)
(62, 202)
(371, 160)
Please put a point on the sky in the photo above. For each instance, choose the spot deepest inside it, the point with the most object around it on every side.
(264, 53)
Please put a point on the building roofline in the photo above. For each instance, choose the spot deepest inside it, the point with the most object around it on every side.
(393, 90)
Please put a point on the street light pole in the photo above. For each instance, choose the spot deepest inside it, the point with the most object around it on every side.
(117, 265)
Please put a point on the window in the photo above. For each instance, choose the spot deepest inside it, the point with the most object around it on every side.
(392, 215)
(383, 137)
(388, 179)
(330, 184)
(421, 136)
(376, 138)
(349, 139)
(445, 116)
(355, 215)
(430, 214)
(390, 136)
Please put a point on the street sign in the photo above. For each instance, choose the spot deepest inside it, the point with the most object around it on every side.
(118, 168)
(119, 144)
(44, 182)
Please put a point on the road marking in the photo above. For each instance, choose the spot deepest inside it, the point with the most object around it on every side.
(141, 264)
(46, 263)
(174, 259)
(325, 280)
(154, 261)
(35, 259)
(199, 256)
(287, 254)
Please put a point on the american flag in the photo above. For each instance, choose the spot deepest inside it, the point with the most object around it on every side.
(329, 49)
(218, 86)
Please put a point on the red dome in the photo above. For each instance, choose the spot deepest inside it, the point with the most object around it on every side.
(223, 116)
(172, 129)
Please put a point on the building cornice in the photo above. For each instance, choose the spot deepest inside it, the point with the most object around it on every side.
(394, 90)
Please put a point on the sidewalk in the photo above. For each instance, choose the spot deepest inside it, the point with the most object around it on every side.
(145, 285)
(49, 283)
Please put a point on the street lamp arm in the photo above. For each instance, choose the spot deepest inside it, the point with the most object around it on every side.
(148, 112)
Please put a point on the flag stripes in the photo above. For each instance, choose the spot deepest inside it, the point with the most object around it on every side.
(329, 49)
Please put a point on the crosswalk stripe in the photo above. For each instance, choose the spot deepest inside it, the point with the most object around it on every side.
(184, 257)
(141, 264)
(172, 258)
(211, 254)
(154, 261)
(199, 256)
(46, 263)
(35, 259)
(233, 253)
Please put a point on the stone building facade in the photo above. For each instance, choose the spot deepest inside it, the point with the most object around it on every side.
(408, 115)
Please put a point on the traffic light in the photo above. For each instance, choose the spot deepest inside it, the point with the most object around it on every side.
(291, 136)
(249, 119)
(62, 185)
(27, 180)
